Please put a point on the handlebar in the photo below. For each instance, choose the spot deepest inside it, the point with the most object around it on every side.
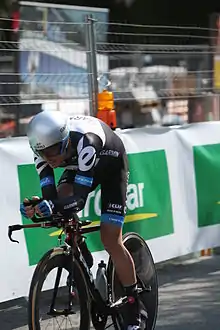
(11, 229)
(55, 220)
(58, 221)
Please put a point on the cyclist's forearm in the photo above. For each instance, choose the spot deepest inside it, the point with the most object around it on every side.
(68, 204)
(47, 179)
(49, 192)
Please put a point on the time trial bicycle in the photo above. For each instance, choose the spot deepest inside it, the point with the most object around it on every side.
(84, 297)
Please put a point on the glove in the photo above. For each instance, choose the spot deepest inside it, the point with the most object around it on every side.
(23, 210)
(26, 210)
(44, 208)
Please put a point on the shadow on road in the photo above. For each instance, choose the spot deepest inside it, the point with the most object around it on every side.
(175, 271)
(189, 296)
(13, 314)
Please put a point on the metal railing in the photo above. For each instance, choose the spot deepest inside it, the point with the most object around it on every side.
(161, 70)
(153, 70)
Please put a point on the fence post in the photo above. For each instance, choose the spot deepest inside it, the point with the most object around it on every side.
(89, 65)
(15, 38)
(92, 65)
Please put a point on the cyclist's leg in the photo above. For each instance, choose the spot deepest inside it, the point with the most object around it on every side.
(112, 218)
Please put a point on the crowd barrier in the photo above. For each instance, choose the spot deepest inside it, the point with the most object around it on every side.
(173, 199)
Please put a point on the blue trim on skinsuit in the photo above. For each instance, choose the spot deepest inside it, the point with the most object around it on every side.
(113, 219)
(84, 180)
(47, 181)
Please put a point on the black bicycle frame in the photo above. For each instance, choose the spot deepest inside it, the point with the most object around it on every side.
(71, 240)
(74, 230)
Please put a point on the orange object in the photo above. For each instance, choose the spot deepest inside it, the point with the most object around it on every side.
(7, 126)
(105, 100)
(206, 252)
(106, 110)
(108, 116)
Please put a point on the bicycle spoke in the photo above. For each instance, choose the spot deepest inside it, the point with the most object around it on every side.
(50, 318)
(70, 322)
(47, 326)
(58, 323)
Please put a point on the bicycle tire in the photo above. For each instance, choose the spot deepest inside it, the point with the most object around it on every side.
(52, 259)
(148, 299)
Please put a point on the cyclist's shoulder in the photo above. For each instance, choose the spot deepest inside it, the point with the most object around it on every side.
(38, 159)
(86, 126)
(42, 166)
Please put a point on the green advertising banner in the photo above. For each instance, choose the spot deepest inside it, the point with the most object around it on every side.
(207, 173)
(149, 207)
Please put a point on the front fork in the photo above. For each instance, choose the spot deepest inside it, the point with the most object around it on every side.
(70, 283)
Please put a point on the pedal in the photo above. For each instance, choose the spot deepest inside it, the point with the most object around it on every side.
(142, 290)
(120, 302)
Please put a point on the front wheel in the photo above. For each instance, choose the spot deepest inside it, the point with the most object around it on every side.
(146, 277)
(54, 302)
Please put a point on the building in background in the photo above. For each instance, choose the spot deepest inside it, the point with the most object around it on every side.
(43, 61)
(53, 55)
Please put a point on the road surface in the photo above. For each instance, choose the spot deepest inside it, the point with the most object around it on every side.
(189, 298)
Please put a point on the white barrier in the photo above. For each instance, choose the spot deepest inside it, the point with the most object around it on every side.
(173, 198)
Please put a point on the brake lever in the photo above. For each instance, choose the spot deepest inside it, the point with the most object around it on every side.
(11, 229)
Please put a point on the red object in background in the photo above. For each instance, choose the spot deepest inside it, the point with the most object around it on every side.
(7, 126)
(7, 129)
(15, 21)
(108, 116)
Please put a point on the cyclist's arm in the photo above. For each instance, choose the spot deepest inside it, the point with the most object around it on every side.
(88, 148)
(47, 180)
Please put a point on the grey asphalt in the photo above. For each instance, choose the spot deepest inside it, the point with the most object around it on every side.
(189, 298)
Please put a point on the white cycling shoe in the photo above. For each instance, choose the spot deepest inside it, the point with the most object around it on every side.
(133, 327)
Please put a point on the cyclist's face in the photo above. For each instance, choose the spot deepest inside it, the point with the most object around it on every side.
(55, 161)
(52, 152)
(53, 155)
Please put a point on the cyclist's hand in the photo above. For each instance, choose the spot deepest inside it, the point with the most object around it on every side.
(44, 208)
(28, 211)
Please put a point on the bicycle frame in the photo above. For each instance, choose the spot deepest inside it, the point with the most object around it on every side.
(72, 237)
(73, 229)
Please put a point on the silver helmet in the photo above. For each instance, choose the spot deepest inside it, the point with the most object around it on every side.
(47, 129)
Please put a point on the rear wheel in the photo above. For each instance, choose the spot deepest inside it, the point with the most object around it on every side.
(72, 305)
(147, 280)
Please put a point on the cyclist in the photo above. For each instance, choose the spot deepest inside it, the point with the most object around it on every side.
(91, 154)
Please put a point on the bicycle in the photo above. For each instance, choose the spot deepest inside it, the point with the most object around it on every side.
(74, 256)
